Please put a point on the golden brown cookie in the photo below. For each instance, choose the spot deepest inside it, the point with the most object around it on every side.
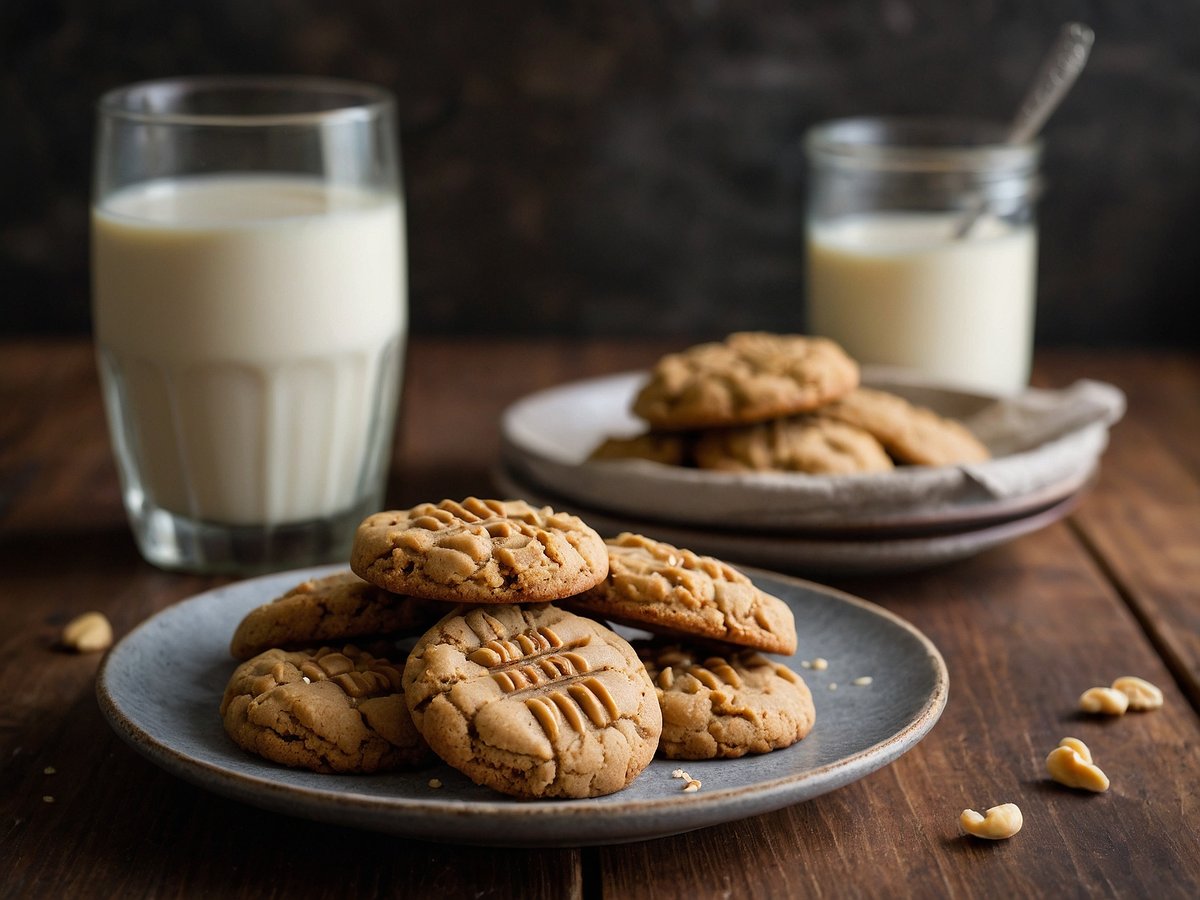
(668, 448)
(331, 609)
(910, 433)
(533, 701)
(727, 705)
(479, 551)
(327, 710)
(749, 377)
(661, 588)
(809, 443)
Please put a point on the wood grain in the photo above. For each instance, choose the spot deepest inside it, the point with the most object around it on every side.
(1024, 628)
(1143, 520)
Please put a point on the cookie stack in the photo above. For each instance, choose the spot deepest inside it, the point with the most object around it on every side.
(769, 402)
(514, 679)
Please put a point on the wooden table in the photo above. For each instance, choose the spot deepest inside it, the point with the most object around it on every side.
(1024, 628)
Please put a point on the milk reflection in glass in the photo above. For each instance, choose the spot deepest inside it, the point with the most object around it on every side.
(250, 330)
(900, 289)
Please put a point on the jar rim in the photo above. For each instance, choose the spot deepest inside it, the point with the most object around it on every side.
(241, 101)
(919, 144)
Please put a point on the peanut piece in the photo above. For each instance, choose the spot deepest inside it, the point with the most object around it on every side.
(1070, 763)
(1078, 746)
(88, 633)
(1141, 693)
(1109, 701)
(1001, 822)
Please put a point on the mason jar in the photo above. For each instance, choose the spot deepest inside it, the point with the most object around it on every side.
(922, 247)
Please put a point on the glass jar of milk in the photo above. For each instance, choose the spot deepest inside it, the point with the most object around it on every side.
(249, 308)
(922, 247)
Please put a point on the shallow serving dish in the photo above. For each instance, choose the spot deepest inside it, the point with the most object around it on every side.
(1046, 445)
(161, 685)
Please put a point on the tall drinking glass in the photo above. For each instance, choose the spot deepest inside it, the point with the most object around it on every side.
(250, 314)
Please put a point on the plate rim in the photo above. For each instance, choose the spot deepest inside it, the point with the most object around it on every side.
(842, 554)
(364, 810)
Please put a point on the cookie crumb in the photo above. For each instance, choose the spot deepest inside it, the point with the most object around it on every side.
(833, 685)
(692, 786)
(49, 770)
(679, 773)
(435, 783)
(862, 681)
(806, 663)
(820, 664)
(46, 798)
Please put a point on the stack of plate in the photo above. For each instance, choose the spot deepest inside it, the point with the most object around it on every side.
(1046, 448)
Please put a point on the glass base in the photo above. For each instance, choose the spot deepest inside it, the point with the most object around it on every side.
(180, 544)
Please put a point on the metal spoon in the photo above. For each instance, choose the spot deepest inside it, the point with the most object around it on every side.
(1059, 70)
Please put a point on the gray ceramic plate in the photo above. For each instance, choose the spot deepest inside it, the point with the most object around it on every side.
(161, 685)
(805, 553)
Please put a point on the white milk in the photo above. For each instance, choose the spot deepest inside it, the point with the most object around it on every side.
(250, 331)
(898, 289)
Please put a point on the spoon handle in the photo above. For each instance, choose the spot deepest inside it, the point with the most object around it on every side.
(1061, 67)
(1059, 71)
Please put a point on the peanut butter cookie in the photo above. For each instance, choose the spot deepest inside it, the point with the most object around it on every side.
(659, 587)
(668, 448)
(335, 608)
(325, 710)
(479, 551)
(809, 443)
(910, 433)
(533, 701)
(749, 377)
(725, 706)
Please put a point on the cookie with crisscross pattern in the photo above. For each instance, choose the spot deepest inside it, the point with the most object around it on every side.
(674, 591)
(329, 710)
(479, 551)
(533, 701)
(725, 705)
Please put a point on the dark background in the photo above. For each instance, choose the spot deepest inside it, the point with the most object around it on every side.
(632, 168)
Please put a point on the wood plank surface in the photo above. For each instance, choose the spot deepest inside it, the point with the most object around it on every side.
(1024, 629)
(1143, 521)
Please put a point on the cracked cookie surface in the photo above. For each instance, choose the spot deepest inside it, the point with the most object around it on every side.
(662, 588)
(327, 710)
(668, 448)
(725, 705)
(331, 609)
(808, 443)
(748, 377)
(479, 551)
(910, 433)
(533, 701)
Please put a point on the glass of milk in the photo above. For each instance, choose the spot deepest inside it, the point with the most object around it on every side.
(922, 247)
(250, 310)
